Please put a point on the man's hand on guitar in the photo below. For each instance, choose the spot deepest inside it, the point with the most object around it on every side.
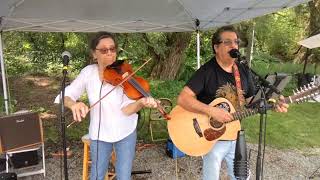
(282, 106)
(220, 115)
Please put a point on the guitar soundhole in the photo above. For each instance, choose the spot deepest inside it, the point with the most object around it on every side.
(215, 124)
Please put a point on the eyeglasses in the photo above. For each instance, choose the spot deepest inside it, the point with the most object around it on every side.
(106, 50)
(229, 42)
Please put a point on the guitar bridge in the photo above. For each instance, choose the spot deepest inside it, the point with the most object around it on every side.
(197, 128)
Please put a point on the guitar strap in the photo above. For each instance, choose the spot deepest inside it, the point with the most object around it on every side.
(235, 70)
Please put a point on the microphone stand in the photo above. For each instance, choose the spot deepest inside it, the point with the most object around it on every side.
(264, 82)
(263, 106)
(263, 113)
(63, 122)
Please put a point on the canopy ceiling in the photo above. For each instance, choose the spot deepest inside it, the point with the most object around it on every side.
(131, 15)
(311, 42)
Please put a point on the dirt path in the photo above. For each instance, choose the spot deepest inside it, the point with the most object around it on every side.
(279, 165)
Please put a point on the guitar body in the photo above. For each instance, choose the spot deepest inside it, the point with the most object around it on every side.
(187, 137)
(195, 134)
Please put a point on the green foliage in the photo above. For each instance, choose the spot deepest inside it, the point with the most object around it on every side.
(265, 64)
(166, 89)
(206, 53)
(278, 34)
(34, 53)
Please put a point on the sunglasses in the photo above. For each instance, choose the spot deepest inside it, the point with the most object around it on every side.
(229, 42)
(106, 50)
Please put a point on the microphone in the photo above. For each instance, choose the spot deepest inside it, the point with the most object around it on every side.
(234, 53)
(241, 165)
(65, 58)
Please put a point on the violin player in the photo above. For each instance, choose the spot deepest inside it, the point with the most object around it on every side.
(113, 120)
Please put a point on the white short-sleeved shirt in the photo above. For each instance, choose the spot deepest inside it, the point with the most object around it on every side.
(115, 125)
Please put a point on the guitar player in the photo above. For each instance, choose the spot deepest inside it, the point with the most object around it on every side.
(222, 77)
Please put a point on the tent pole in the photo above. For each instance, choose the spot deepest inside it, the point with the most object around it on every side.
(3, 74)
(251, 45)
(198, 43)
(198, 49)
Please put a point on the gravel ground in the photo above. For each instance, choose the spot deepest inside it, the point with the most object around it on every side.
(279, 164)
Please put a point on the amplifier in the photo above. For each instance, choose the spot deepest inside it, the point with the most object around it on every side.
(19, 131)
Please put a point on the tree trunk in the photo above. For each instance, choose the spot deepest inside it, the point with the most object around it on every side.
(305, 58)
(167, 65)
(314, 28)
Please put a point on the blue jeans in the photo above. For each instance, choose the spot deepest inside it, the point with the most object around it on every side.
(125, 152)
(212, 161)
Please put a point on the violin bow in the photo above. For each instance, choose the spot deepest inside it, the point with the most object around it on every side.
(124, 80)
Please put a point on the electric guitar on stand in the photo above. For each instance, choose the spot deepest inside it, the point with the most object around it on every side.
(195, 134)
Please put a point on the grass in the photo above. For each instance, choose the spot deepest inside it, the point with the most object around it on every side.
(264, 68)
(299, 128)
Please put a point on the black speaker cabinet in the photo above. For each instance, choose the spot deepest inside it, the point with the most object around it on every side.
(8, 176)
(24, 159)
(18, 131)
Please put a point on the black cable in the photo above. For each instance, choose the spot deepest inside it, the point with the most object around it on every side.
(265, 133)
(313, 175)
(100, 105)
(264, 144)
(75, 158)
(61, 167)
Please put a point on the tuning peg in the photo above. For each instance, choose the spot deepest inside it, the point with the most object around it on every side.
(305, 87)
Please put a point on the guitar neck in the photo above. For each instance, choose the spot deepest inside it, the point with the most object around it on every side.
(304, 94)
(243, 114)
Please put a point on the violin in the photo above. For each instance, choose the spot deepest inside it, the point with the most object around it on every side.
(134, 87)
(120, 74)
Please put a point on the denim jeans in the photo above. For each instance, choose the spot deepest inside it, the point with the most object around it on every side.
(125, 152)
(212, 161)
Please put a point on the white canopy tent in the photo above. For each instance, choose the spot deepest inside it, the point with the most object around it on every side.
(311, 42)
(129, 16)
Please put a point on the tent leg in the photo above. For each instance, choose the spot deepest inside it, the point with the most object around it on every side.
(198, 49)
(3, 74)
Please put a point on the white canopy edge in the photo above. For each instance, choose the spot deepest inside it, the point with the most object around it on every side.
(311, 42)
(123, 16)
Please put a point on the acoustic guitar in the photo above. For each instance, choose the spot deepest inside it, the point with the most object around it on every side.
(195, 134)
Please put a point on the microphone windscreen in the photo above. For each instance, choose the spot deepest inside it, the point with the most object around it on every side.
(234, 53)
(241, 165)
(65, 58)
(66, 53)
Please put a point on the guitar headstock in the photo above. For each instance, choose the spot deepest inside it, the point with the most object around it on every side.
(304, 93)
